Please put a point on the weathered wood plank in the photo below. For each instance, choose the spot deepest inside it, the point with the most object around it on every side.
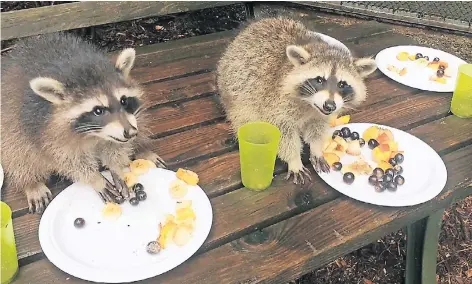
(179, 116)
(180, 89)
(297, 245)
(50, 19)
(206, 56)
(222, 173)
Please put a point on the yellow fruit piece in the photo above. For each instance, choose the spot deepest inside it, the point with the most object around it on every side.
(111, 211)
(359, 167)
(402, 56)
(331, 147)
(189, 223)
(393, 146)
(139, 166)
(412, 57)
(332, 121)
(370, 133)
(384, 165)
(178, 189)
(187, 176)
(402, 72)
(331, 158)
(182, 235)
(340, 120)
(379, 155)
(342, 144)
(151, 164)
(167, 234)
(354, 148)
(184, 214)
(441, 80)
(169, 218)
(183, 204)
(130, 179)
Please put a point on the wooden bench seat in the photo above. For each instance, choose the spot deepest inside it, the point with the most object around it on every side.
(276, 235)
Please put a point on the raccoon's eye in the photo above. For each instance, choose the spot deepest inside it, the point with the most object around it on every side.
(124, 101)
(98, 111)
(342, 84)
(320, 79)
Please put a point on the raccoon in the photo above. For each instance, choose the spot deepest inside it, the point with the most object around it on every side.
(67, 110)
(276, 70)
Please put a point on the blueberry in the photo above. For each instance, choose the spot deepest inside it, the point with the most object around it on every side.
(138, 187)
(355, 136)
(346, 132)
(79, 222)
(141, 195)
(133, 201)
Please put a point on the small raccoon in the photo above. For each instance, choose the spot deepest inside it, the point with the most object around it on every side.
(66, 109)
(278, 71)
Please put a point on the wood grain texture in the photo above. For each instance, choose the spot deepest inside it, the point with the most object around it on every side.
(295, 246)
(50, 19)
(172, 118)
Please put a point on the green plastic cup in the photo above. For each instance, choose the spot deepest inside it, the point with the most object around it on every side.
(258, 146)
(9, 258)
(461, 103)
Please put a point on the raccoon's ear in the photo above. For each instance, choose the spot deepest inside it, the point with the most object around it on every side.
(297, 55)
(49, 89)
(125, 61)
(365, 66)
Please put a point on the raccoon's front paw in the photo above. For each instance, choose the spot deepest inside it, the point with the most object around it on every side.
(151, 156)
(320, 164)
(38, 198)
(120, 184)
(105, 189)
(298, 171)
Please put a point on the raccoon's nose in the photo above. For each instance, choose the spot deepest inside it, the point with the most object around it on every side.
(329, 106)
(130, 133)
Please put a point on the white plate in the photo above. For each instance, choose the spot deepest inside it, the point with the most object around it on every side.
(115, 251)
(423, 169)
(417, 76)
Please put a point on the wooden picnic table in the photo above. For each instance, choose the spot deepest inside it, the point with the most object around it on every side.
(279, 234)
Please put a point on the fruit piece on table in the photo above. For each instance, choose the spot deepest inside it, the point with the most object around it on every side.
(393, 146)
(178, 189)
(384, 165)
(331, 158)
(184, 214)
(183, 204)
(331, 147)
(111, 211)
(336, 121)
(412, 57)
(384, 136)
(359, 167)
(187, 176)
(169, 218)
(130, 179)
(140, 166)
(354, 148)
(403, 56)
(182, 235)
(342, 144)
(167, 234)
(370, 133)
(392, 68)
(402, 72)
(379, 155)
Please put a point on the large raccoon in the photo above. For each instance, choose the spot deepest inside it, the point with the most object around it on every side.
(66, 109)
(278, 71)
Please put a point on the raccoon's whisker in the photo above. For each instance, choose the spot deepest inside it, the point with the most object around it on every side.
(307, 90)
(311, 86)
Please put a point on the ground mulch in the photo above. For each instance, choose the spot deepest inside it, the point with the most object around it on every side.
(381, 262)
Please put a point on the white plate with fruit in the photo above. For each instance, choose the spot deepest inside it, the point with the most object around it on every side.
(420, 67)
(164, 225)
(381, 165)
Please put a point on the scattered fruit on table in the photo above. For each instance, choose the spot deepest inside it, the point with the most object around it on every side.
(141, 166)
(331, 158)
(138, 187)
(153, 247)
(336, 121)
(130, 179)
(141, 195)
(178, 229)
(354, 148)
(373, 179)
(359, 167)
(133, 201)
(348, 178)
(111, 211)
(421, 60)
(79, 222)
(399, 180)
(390, 172)
(337, 166)
(378, 172)
(187, 176)
(398, 169)
(178, 189)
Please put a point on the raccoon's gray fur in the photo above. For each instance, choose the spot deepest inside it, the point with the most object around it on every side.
(278, 71)
(67, 109)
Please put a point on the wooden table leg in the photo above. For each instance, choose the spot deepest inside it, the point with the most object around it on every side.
(422, 249)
